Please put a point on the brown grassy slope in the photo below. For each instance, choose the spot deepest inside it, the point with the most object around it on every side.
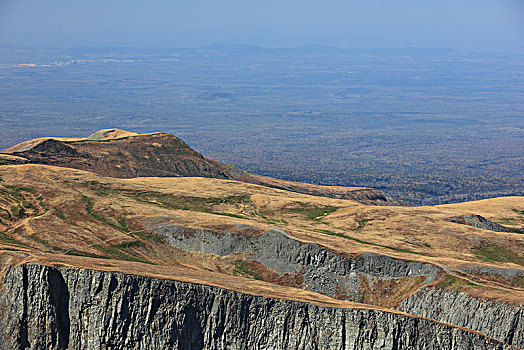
(70, 212)
(105, 134)
(137, 155)
(109, 134)
(362, 194)
(123, 154)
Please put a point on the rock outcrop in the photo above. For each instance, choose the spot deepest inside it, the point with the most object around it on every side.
(324, 271)
(495, 318)
(483, 223)
(63, 308)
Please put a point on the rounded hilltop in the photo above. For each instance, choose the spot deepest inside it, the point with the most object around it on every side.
(125, 154)
(109, 134)
(104, 134)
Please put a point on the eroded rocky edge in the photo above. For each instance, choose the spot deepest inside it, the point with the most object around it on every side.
(496, 318)
(325, 270)
(67, 308)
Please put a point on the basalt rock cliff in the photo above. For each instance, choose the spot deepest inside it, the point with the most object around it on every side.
(52, 308)
(128, 241)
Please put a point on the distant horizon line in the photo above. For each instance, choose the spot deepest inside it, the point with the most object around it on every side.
(519, 50)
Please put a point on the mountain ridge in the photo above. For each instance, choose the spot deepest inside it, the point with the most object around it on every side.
(74, 239)
(124, 154)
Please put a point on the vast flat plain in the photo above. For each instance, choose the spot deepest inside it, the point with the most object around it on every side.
(425, 126)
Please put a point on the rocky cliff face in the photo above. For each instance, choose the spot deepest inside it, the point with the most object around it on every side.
(494, 318)
(323, 270)
(45, 307)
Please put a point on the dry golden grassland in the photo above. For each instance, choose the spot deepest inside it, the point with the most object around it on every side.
(76, 218)
(105, 134)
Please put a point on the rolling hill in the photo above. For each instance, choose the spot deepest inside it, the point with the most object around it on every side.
(175, 248)
(124, 154)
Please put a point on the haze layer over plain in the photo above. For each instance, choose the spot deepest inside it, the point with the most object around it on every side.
(479, 25)
(426, 126)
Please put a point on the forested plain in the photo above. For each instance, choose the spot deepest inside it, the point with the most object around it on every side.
(425, 126)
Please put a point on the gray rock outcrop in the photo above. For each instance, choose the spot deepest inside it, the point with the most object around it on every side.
(64, 308)
(323, 269)
(494, 318)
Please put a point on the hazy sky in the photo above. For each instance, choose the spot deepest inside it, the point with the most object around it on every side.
(458, 24)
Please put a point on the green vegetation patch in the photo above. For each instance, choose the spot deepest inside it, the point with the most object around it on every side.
(16, 193)
(273, 221)
(122, 222)
(148, 236)
(242, 267)
(5, 214)
(201, 204)
(117, 253)
(19, 189)
(27, 204)
(497, 253)
(449, 282)
(131, 244)
(371, 243)
(18, 231)
(521, 212)
(506, 220)
(89, 255)
(12, 192)
(99, 189)
(43, 242)
(6, 239)
(61, 215)
(42, 204)
(316, 213)
(17, 211)
(119, 224)
(361, 224)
